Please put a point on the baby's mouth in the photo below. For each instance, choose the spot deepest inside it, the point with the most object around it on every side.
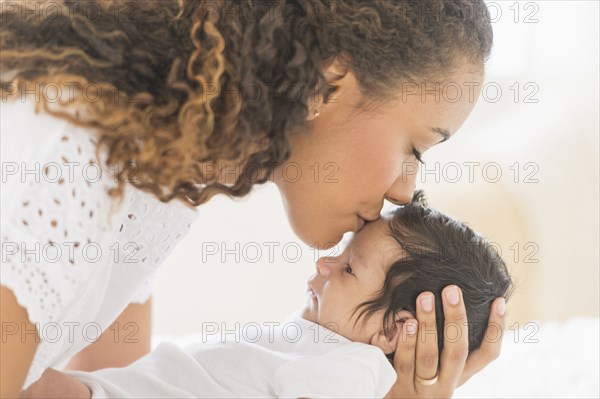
(312, 293)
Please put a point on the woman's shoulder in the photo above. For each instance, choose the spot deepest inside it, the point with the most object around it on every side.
(50, 164)
(56, 189)
(42, 146)
(26, 122)
(47, 151)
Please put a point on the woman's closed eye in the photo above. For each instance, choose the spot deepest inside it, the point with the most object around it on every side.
(418, 156)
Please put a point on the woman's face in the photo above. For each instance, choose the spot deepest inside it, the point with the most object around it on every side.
(352, 158)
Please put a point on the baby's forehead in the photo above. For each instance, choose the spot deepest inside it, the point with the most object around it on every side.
(375, 244)
(373, 231)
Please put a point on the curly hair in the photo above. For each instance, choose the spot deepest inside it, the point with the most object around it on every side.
(183, 87)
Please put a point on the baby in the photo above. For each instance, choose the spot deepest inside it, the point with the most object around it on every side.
(341, 343)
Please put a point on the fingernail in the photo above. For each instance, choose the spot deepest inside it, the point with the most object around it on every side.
(452, 295)
(411, 328)
(427, 303)
(501, 306)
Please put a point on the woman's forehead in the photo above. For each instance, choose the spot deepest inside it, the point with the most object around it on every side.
(441, 104)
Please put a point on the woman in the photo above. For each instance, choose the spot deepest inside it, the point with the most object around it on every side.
(196, 98)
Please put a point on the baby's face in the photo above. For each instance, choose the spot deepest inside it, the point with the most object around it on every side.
(342, 282)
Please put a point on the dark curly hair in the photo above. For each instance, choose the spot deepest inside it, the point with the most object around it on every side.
(183, 86)
(439, 251)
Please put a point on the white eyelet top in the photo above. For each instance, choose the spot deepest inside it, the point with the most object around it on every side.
(72, 255)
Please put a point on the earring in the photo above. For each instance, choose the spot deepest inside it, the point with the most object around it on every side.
(316, 113)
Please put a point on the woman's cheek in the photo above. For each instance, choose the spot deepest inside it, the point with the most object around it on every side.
(377, 172)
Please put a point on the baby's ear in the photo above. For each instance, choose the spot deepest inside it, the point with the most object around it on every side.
(387, 343)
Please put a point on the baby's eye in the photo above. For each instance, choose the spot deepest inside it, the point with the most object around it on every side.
(349, 269)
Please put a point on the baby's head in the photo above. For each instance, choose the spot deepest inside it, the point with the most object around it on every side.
(367, 291)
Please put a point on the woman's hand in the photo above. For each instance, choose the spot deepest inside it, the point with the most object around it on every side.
(416, 357)
(54, 384)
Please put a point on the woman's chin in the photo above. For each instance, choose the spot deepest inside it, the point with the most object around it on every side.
(319, 234)
(322, 242)
(327, 244)
(320, 230)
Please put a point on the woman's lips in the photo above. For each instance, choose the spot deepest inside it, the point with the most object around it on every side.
(362, 219)
(360, 222)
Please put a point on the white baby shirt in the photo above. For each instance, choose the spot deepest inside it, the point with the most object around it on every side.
(295, 358)
(72, 264)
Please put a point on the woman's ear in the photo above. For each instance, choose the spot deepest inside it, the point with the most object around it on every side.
(337, 68)
(334, 71)
(387, 343)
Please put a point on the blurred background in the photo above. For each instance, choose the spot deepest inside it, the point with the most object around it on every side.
(523, 171)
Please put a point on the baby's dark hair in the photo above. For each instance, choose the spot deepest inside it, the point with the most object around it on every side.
(439, 251)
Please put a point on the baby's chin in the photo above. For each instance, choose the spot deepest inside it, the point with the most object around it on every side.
(309, 311)
(307, 315)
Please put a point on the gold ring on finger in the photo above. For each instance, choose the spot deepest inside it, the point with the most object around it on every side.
(423, 381)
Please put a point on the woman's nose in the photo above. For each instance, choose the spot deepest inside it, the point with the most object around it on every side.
(403, 189)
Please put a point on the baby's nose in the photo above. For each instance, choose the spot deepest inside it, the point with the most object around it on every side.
(322, 268)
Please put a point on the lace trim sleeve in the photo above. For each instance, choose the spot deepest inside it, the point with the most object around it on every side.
(145, 292)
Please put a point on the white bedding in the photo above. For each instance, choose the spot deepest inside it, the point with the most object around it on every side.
(537, 361)
(563, 363)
